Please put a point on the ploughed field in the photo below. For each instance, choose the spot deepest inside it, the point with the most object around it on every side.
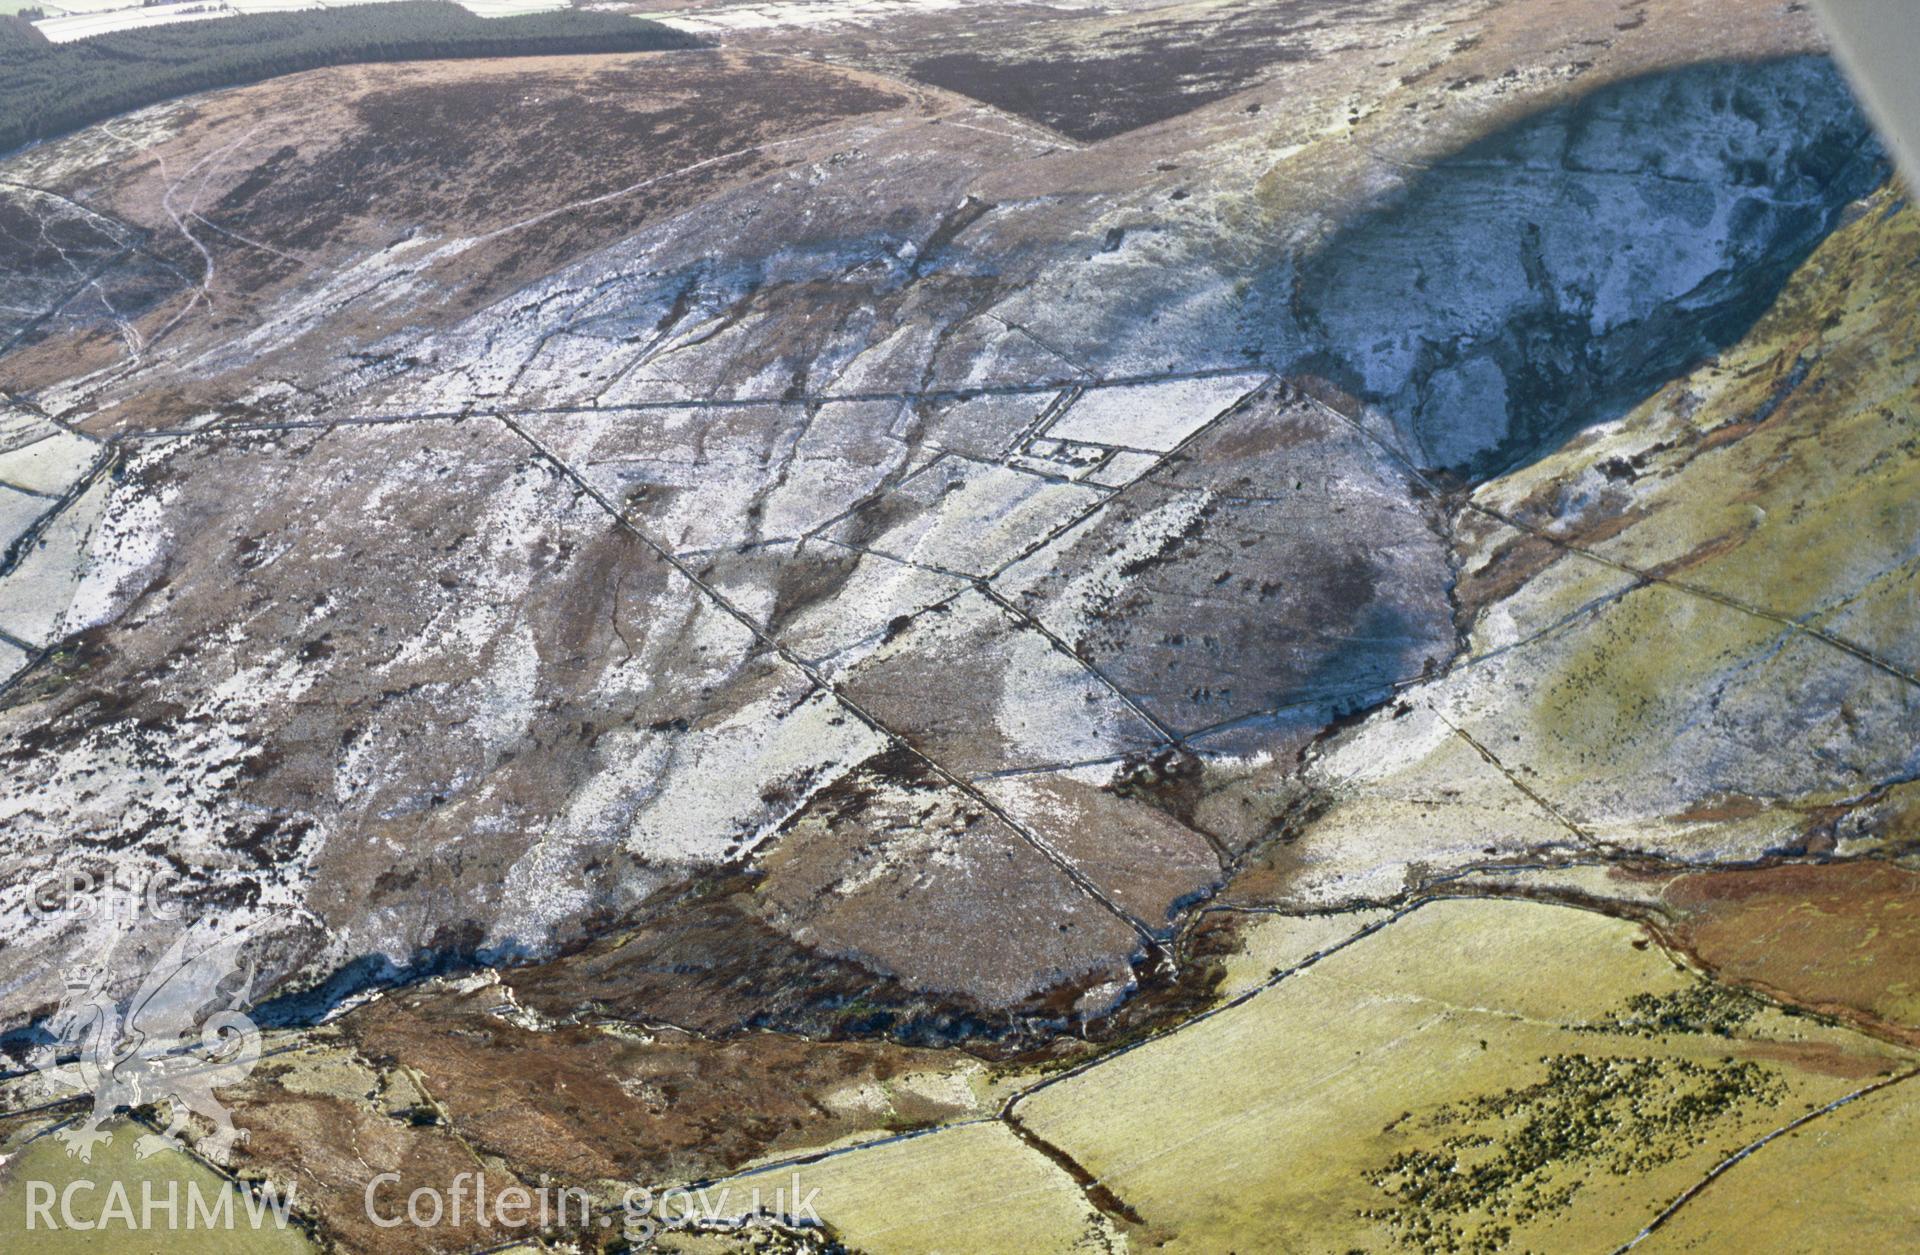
(1251, 627)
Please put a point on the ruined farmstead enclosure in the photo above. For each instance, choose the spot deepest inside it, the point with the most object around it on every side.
(1221, 627)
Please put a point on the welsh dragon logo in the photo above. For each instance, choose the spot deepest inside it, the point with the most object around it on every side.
(180, 1037)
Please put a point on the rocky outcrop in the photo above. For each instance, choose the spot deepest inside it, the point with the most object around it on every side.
(1547, 278)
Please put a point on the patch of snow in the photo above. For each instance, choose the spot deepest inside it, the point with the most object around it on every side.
(1154, 416)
